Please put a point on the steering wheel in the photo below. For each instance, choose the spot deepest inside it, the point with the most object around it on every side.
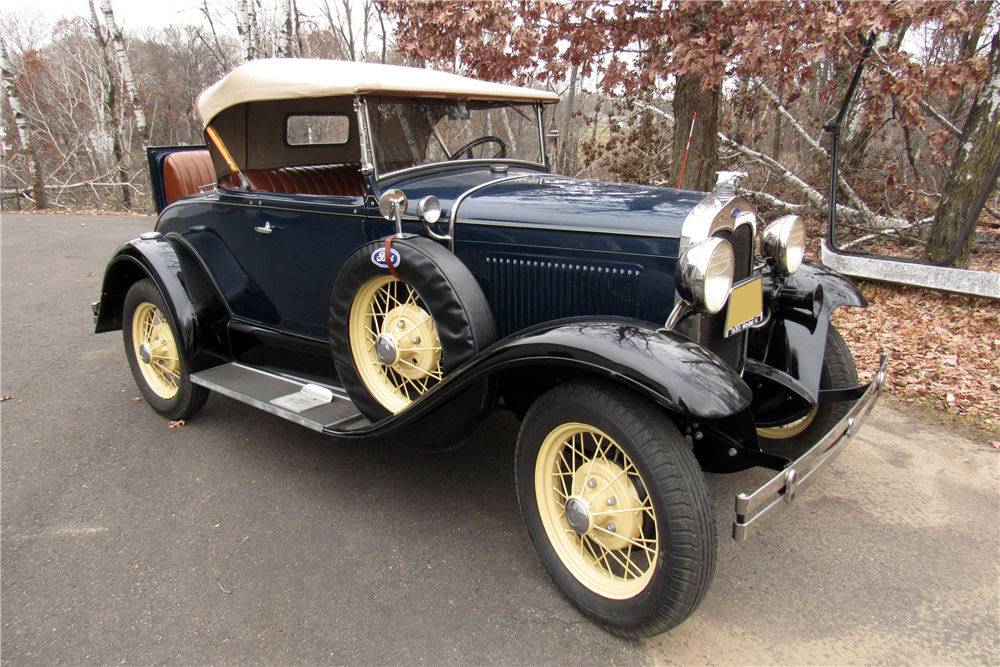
(488, 139)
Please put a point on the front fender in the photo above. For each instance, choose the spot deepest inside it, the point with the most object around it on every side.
(199, 313)
(672, 370)
(793, 343)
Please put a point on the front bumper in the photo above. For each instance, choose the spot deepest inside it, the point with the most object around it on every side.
(750, 509)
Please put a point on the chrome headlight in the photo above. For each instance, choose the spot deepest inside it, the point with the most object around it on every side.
(784, 243)
(429, 209)
(704, 274)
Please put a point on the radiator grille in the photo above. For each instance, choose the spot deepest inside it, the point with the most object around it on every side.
(523, 292)
(732, 349)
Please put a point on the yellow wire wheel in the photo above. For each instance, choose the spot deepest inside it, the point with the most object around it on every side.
(156, 350)
(789, 430)
(394, 342)
(595, 511)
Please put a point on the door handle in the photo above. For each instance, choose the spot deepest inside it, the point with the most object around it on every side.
(266, 229)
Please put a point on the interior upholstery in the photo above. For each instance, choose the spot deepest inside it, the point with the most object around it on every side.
(334, 180)
(185, 172)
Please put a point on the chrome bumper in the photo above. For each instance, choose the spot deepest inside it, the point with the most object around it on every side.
(799, 473)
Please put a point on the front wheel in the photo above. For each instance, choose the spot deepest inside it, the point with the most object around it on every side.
(616, 506)
(155, 356)
(839, 372)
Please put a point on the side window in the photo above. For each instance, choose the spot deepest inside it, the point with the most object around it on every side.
(308, 130)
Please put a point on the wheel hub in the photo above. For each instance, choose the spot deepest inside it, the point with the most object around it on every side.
(145, 353)
(578, 515)
(385, 348)
(610, 502)
(415, 347)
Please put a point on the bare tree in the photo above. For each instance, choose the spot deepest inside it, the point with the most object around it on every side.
(131, 89)
(23, 127)
(111, 111)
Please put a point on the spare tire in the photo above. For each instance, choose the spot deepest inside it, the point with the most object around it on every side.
(395, 336)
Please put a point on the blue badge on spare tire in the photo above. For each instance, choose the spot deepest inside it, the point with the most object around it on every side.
(378, 258)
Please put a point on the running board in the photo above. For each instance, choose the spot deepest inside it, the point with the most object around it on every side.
(310, 405)
(947, 279)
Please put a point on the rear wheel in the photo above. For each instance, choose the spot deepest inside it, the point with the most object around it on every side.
(155, 356)
(616, 506)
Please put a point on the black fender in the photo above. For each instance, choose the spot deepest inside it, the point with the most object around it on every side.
(198, 311)
(786, 354)
(675, 372)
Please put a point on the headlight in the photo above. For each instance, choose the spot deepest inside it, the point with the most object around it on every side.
(704, 274)
(784, 243)
(429, 209)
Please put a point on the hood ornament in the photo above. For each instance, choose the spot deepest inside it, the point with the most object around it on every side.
(725, 188)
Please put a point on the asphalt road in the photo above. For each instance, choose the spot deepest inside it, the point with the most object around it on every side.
(244, 539)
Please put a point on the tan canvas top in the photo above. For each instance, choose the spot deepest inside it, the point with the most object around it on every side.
(296, 78)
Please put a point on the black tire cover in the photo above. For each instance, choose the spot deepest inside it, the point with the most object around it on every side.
(449, 291)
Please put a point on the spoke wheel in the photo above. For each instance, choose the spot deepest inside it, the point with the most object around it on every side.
(616, 506)
(839, 372)
(395, 342)
(156, 349)
(596, 511)
(156, 356)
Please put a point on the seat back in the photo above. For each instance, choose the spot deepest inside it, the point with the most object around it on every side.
(333, 180)
(186, 172)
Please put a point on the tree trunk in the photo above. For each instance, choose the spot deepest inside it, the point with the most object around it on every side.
(567, 151)
(24, 134)
(977, 151)
(703, 160)
(128, 81)
(111, 108)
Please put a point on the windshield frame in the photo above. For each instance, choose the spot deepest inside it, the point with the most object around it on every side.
(370, 161)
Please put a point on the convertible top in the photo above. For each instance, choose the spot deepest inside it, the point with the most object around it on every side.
(299, 78)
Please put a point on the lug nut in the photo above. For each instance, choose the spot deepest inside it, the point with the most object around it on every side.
(611, 528)
(416, 340)
(401, 324)
(698, 435)
(611, 501)
(592, 483)
(732, 451)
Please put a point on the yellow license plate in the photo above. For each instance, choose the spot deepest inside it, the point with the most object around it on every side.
(746, 307)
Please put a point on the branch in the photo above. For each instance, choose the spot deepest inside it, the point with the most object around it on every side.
(948, 125)
(801, 131)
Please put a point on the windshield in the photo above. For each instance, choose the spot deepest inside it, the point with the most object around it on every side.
(414, 132)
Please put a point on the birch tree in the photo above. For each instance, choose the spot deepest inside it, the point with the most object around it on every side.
(978, 149)
(111, 108)
(24, 133)
(138, 110)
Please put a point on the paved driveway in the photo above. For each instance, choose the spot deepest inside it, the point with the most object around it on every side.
(244, 539)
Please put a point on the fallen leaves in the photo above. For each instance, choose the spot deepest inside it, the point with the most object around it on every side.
(5, 398)
(90, 274)
(137, 400)
(177, 424)
(943, 348)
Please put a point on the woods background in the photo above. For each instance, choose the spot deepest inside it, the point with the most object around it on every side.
(82, 99)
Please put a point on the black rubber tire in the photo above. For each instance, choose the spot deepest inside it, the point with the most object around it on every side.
(839, 372)
(190, 398)
(685, 524)
(449, 291)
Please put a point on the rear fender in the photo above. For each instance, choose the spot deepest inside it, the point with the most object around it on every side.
(787, 354)
(198, 310)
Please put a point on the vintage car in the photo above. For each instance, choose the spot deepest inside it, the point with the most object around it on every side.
(375, 251)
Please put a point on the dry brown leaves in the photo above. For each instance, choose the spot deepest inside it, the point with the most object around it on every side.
(944, 350)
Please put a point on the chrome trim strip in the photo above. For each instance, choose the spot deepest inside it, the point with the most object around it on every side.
(458, 201)
(367, 149)
(799, 473)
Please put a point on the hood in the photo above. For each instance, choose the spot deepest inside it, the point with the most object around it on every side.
(557, 202)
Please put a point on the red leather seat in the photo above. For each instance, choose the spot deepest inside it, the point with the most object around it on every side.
(334, 180)
(186, 172)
